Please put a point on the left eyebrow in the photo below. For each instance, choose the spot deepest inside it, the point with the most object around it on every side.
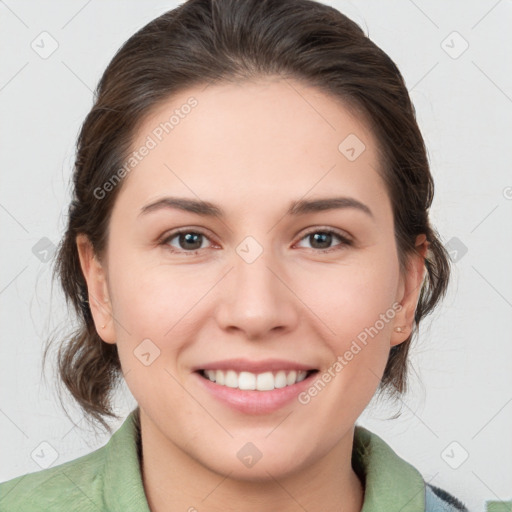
(331, 203)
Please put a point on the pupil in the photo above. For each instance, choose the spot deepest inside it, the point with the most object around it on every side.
(324, 238)
(188, 238)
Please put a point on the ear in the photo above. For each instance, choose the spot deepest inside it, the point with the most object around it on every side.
(409, 291)
(97, 290)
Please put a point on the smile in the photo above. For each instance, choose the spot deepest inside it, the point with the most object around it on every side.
(266, 381)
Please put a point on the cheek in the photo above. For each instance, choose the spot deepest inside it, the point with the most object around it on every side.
(356, 304)
(357, 307)
(158, 302)
(152, 309)
(353, 298)
(142, 294)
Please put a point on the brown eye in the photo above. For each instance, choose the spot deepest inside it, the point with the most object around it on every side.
(322, 240)
(185, 241)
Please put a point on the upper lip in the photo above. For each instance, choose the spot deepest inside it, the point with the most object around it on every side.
(265, 365)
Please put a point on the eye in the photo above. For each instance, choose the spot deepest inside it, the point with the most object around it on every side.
(187, 242)
(321, 239)
(190, 242)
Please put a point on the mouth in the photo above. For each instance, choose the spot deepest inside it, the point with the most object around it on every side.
(249, 381)
(251, 386)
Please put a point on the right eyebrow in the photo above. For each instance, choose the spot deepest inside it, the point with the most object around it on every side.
(204, 208)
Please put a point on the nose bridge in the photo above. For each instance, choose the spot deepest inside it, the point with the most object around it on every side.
(257, 300)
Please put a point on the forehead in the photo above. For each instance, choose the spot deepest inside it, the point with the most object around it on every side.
(274, 138)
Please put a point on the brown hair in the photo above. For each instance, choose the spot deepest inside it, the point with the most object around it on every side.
(214, 41)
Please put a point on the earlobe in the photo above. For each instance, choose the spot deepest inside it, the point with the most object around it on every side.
(410, 287)
(97, 290)
(400, 334)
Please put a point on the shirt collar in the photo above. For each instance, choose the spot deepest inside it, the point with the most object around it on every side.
(390, 483)
(124, 489)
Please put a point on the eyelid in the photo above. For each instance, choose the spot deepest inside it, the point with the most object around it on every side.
(327, 229)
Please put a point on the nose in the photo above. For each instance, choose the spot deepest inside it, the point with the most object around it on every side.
(257, 300)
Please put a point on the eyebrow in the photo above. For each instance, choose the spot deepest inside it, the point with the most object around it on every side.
(300, 207)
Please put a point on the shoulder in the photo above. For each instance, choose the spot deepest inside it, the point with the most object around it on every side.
(391, 480)
(73, 485)
(108, 478)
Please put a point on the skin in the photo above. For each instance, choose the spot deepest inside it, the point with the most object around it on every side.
(251, 149)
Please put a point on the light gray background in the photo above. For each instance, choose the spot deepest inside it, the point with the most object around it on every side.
(462, 392)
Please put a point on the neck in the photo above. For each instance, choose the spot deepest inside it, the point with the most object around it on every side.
(175, 481)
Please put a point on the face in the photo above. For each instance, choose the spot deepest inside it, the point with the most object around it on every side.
(264, 287)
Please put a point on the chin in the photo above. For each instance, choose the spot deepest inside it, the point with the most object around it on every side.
(253, 462)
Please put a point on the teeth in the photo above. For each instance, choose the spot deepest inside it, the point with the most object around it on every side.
(291, 377)
(266, 381)
(246, 380)
(231, 379)
(301, 376)
(280, 380)
(219, 377)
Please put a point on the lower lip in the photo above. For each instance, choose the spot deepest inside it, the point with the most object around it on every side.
(252, 401)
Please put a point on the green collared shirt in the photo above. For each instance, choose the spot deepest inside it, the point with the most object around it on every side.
(109, 479)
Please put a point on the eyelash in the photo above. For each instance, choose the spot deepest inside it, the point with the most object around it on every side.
(345, 242)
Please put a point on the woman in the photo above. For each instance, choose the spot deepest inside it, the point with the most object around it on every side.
(249, 247)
